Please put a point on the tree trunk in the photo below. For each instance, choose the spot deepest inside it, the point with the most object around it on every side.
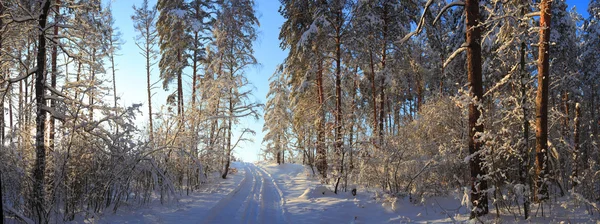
(54, 75)
(338, 96)
(524, 154)
(2, 119)
(149, 86)
(576, 146)
(38, 203)
(194, 70)
(541, 100)
(478, 186)
(374, 94)
(321, 153)
(2, 124)
(229, 124)
(93, 82)
(383, 78)
(114, 79)
(353, 123)
(278, 153)
(180, 96)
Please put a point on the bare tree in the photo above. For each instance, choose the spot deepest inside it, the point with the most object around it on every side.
(145, 24)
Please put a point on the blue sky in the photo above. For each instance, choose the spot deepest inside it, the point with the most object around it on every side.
(131, 79)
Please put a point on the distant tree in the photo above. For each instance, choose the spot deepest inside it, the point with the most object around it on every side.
(277, 116)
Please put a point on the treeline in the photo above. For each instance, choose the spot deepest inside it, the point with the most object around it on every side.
(70, 150)
(423, 98)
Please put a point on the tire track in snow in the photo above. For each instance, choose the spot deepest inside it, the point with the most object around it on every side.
(252, 209)
(279, 193)
(261, 197)
(244, 188)
(257, 199)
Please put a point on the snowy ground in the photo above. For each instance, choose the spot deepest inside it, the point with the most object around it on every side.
(268, 193)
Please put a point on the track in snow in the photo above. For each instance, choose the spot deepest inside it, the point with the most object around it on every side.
(256, 201)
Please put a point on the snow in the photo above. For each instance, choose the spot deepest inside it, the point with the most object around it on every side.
(188, 209)
(309, 201)
(290, 193)
(180, 13)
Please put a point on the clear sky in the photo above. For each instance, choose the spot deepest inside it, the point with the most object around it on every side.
(131, 79)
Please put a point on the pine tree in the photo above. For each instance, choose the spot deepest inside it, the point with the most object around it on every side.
(541, 112)
(173, 41)
(277, 116)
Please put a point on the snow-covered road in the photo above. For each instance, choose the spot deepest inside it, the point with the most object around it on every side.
(290, 193)
(257, 200)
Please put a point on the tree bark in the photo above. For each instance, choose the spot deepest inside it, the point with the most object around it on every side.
(229, 124)
(576, 146)
(38, 202)
(321, 153)
(382, 87)
(541, 100)
(524, 154)
(338, 94)
(374, 94)
(54, 75)
(180, 95)
(93, 82)
(149, 86)
(2, 124)
(2, 118)
(478, 185)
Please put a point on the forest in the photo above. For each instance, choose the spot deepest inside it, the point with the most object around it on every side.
(417, 98)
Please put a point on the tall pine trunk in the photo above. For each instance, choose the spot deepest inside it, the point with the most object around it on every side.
(524, 154)
(338, 98)
(541, 100)
(2, 124)
(373, 94)
(54, 75)
(383, 78)
(149, 86)
(38, 202)
(321, 152)
(93, 82)
(479, 197)
(576, 146)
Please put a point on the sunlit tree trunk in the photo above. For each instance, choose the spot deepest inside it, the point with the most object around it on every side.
(321, 152)
(541, 100)
(478, 186)
(338, 97)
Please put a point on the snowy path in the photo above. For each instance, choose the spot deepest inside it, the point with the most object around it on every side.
(258, 200)
(289, 193)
